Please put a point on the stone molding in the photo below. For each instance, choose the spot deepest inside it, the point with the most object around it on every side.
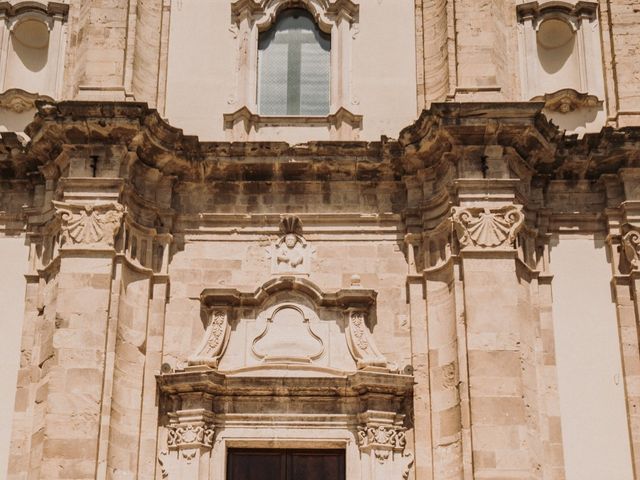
(89, 225)
(265, 12)
(487, 228)
(19, 101)
(567, 100)
(538, 12)
(343, 124)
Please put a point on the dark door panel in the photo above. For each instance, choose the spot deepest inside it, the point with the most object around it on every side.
(245, 464)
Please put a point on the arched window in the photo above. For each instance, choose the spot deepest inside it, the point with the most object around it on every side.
(294, 67)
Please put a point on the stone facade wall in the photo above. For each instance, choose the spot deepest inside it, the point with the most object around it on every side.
(413, 302)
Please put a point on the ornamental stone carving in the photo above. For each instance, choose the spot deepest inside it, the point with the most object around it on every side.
(290, 254)
(382, 440)
(361, 343)
(89, 225)
(631, 248)
(495, 228)
(190, 436)
(215, 340)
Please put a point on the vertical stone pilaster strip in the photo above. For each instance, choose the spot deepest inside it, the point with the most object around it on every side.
(444, 373)
(149, 422)
(627, 293)
(421, 390)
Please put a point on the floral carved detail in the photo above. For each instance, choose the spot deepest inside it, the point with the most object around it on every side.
(631, 248)
(90, 225)
(382, 439)
(488, 228)
(361, 343)
(190, 436)
(215, 340)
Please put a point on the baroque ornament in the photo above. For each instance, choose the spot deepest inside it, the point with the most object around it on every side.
(90, 225)
(488, 227)
(361, 343)
(631, 248)
(215, 340)
(190, 436)
(382, 439)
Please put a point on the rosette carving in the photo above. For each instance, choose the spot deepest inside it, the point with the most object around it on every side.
(361, 343)
(631, 248)
(488, 227)
(214, 342)
(89, 225)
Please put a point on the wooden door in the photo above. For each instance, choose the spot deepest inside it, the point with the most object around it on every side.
(245, 464)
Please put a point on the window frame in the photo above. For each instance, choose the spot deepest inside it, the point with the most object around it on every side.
(251, 17)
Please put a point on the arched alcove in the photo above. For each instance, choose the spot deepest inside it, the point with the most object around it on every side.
(557, 50)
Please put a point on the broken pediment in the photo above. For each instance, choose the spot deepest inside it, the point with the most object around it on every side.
(288, 324)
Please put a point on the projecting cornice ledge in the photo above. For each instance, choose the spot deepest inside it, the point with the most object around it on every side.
(448, 128)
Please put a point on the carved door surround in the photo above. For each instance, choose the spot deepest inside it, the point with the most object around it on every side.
(286, 401)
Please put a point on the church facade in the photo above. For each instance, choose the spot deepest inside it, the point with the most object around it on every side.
(320, 239)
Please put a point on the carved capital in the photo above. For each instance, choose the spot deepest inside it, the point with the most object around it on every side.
(382, 440)
(215, 339)
(361, 343)
(631, 248)
(488, 228)
(190, 436)
(89, 225)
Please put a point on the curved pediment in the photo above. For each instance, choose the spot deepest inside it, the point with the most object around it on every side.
(288, 324)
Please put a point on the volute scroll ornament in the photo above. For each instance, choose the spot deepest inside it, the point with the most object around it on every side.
(361, 343)
(487, 228)
(631, 248)
(215, 340)
(89, 225)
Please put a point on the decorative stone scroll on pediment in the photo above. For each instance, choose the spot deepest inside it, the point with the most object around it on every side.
(264, 12)
(567, 100)
(288, 323)
(487, 228)
(631, 248)
(215, 339)
(89, 225)
(361, 343)
(18, 100)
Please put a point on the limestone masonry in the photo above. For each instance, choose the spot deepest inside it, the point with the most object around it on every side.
(400, 237)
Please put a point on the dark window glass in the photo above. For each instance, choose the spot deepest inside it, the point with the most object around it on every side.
(294, 66)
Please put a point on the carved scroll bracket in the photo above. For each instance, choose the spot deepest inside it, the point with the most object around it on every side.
(361, 343)
(487, 228)
(631, 248)
(215, 338)
(89, 226)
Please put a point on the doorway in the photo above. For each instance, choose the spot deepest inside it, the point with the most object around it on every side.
(281, 464)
